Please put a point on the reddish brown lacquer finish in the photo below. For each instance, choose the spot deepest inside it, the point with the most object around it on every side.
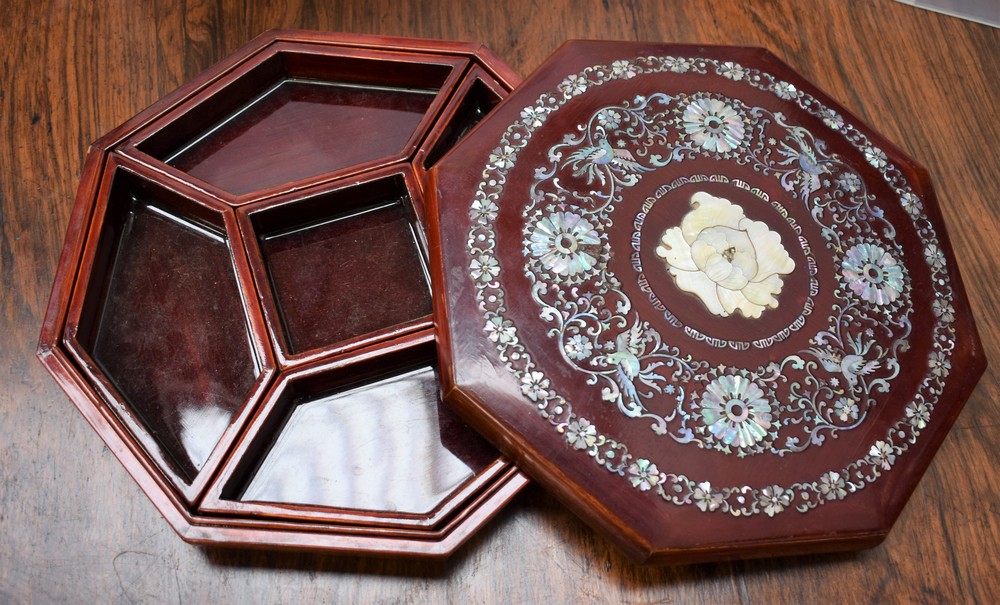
(243, 310)
(699, 301)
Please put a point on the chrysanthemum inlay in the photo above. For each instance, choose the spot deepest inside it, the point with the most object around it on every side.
(641, 366)
(560, 241)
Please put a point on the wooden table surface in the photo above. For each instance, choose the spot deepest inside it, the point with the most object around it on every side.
(75, 528)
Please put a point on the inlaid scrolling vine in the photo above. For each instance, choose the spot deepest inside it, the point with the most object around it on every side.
(727, 260)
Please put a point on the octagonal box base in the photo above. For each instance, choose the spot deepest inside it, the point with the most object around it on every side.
(243, 312)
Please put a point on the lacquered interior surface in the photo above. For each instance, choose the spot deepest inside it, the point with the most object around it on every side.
(171, 333)
(478, 101)
(301, 128)
(346, 273)
(381, 446)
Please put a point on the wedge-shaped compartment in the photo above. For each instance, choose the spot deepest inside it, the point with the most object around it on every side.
(358, 440)
(475, 98)
(297, 111)
(340, 268)
(160, 325)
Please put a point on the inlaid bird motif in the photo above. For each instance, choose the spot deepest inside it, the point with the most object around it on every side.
(853, 365)
(629, 345)
(592, 160)
(811, 167)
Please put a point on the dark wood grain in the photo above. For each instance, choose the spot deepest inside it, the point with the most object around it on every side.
(76, 528)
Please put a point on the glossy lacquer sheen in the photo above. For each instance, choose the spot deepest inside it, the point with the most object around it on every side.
(306, 128)
(169, 329)
(709, 309)
(331, 251)
(294, 115)
(244, 309)
(377, 446)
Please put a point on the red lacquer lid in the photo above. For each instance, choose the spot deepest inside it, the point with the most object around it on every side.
(699, 301)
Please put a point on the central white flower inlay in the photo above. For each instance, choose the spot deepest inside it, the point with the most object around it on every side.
(724, 258)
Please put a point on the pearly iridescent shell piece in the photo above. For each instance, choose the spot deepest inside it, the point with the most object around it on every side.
(730, 262)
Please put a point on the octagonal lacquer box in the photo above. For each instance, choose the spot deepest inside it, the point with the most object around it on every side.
(242, 309)
(700, 302)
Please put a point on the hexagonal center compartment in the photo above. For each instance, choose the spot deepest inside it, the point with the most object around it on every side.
(344, 263)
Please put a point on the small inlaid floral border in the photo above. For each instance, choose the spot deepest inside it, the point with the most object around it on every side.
(641, 472)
